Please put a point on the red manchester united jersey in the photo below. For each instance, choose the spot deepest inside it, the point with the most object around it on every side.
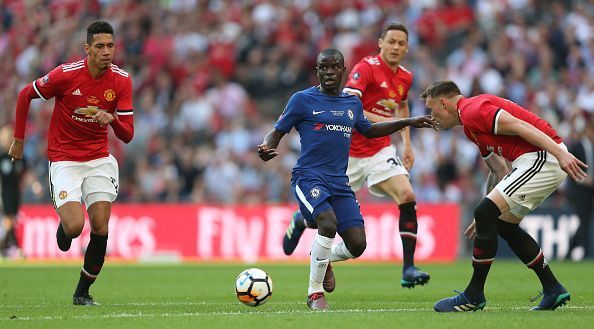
(381, 90)
(73, 134)
(479, 116)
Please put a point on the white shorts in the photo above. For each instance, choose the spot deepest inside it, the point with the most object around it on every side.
(375, 169)
(533, 178)
(89, 182)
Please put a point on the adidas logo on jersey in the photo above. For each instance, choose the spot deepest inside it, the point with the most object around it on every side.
(384, 85)
(77, 92)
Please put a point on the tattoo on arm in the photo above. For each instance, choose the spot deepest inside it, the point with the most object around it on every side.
(491, 181)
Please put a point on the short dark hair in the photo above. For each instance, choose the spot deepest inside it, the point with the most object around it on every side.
(330, 52)
(445, 88)
(98, 27)
(394, 27)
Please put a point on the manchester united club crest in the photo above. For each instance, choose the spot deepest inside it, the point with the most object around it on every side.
(109, 95)
(63, 195)
(392, 94)
(315, 192)
(400, 90)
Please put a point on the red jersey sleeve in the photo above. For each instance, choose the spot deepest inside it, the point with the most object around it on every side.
(125, 100)
(51, 84)
(359, 78)
(123, 125)
(480, 119)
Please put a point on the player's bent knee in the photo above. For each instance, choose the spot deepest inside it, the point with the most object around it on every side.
(73, 228)
(327, 224)
(407, 196)
(357, 248)
(486, 210)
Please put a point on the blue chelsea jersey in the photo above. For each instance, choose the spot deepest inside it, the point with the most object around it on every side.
(325, 124)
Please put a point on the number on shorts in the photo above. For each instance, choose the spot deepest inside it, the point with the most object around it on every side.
(393, 161)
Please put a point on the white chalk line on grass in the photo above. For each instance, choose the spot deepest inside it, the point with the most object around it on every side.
(231, 313)
(45, 304)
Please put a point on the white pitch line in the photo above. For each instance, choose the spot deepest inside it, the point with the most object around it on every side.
(200, 314)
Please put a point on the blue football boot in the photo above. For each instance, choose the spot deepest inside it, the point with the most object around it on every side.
(460, 303)
(293, 234)
(558, 296)
(412, 276)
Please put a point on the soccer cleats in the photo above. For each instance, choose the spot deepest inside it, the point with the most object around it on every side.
(84, 300)
(460, 303)
(558, 296)
(64, 242)
(317, 302)
(294, 232)
(412, 277)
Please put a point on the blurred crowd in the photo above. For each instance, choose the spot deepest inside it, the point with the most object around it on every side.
(211, 77)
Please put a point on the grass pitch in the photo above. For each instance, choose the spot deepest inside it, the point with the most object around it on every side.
(202, 296)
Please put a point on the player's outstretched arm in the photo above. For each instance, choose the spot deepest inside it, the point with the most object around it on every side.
(26, 95)
(267, 150)
(510, 125)
(386, 128)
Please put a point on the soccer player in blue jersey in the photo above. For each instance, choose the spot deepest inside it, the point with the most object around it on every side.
(325, 118)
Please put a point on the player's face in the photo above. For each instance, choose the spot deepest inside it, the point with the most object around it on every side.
(330, 72)
(393, 47)
(441, 112)
(101, 51)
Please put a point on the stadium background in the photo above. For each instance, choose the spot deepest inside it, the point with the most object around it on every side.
(211, 77)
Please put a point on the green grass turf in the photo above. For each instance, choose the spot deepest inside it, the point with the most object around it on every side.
(202, 296)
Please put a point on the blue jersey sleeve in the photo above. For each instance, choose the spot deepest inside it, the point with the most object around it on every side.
(362, 124)
(292, 114)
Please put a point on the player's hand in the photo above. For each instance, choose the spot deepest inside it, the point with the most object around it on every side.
(103, 118)
(470, 231)
(16, 150)
(266, 153)
(425, 121)
(573, 166)
(408, 158)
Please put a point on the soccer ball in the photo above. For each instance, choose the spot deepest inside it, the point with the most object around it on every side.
(253, 287)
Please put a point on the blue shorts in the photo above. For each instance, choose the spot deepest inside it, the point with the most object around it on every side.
(316, 195)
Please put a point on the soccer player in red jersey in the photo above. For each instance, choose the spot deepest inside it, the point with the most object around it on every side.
(90, 95)
(539, 159)
(382, 84)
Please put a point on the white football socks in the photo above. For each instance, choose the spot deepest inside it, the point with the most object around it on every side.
(340, 252)
(320, 253)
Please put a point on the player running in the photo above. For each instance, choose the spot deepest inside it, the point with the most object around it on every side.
(382, 84)
(325, 118)
(91, 94)
(503, 130)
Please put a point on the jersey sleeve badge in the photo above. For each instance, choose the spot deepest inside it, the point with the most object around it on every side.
(42, 81)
